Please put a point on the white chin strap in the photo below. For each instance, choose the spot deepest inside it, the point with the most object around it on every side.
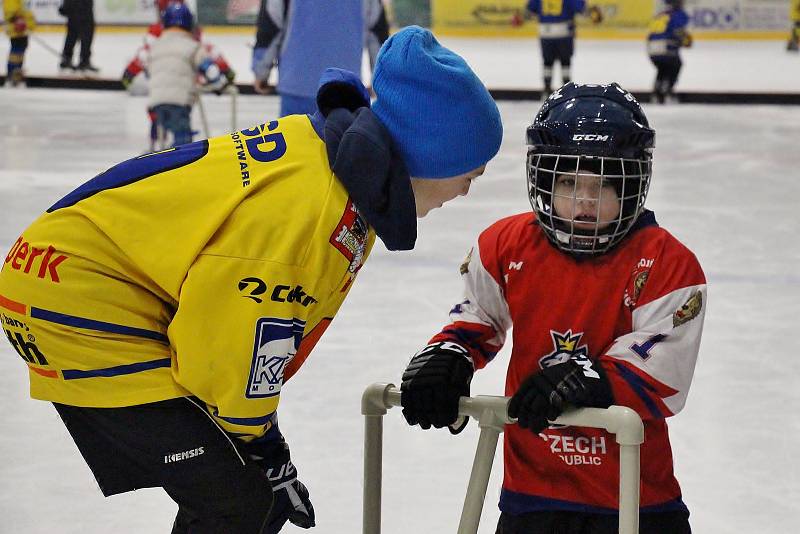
(566, 237)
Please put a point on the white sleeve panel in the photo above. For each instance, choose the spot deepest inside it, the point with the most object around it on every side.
(484, 302)
(666, 339)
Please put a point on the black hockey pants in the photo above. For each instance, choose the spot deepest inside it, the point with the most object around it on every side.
(79, 29)
(176, 445)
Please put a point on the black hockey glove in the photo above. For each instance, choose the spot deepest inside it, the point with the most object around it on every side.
(434, 380)
(545, 395)
(291, 501)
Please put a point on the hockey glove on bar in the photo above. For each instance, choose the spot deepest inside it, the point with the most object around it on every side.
(435, 379)
(544, 396)
(291, 501)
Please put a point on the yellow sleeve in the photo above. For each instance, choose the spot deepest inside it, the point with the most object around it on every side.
(238, 324)
(11, 8)
(16, 8)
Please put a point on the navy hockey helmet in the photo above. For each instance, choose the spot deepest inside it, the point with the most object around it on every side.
(178, 14)
(585, 140)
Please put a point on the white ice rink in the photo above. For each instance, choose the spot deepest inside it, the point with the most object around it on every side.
(726, 183)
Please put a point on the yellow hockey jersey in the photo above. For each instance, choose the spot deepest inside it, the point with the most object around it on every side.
(210, 269)
(17, 8)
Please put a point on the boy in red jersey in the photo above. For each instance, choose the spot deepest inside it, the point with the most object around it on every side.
(607, 307)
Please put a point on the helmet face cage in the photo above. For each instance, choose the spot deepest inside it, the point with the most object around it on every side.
(629, 177)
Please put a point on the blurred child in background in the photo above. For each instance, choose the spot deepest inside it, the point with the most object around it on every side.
(19, 23)
(666, 36)
(557, 33)
(176, 60)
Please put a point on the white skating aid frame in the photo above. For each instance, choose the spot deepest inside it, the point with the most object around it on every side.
(492, 414)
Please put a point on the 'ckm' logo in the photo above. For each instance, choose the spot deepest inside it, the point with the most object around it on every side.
(276, 343)
(590, 137)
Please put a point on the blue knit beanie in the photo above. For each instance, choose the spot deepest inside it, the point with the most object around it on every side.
(439, 114)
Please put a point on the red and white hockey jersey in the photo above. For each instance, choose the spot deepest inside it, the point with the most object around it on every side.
(638, 310)
(140, 60)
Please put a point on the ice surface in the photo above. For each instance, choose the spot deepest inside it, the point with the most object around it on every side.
(732, 66)
(726, 183)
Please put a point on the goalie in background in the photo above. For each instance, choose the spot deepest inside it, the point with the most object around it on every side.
(19, 23)
(606, 307)
(667, 35)
(174, 61)
(557, 33)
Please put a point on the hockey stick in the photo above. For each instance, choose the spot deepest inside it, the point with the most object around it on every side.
(492, 415)
(45, 45)
(203, 117)
(234, 92)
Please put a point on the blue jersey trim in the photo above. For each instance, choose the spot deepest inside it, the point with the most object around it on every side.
(72, 374)
(318, 123)
(134, 170)
(246, 421)
(640, 387)
(91, 324)
(469, 337)
(520, 503)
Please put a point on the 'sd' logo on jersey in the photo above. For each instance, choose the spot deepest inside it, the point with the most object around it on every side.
(566, 346)
(350, 236)
(690, 309)
(276, 343)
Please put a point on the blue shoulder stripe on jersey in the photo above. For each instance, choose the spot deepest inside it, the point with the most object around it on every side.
(469, 338)
(73, 374)
(91, 324)
(640, 387)
(134, 170)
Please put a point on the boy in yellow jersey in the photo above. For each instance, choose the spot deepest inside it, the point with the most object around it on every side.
(19, 23)
(162, 305)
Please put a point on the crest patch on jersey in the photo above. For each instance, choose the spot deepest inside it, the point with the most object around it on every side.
(638, 280)
(350, 236)
(689, 310)
(276, 343)
(565, 347)
(464, 269)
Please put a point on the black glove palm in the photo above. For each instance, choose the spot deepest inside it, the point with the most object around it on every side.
(545, 395)
(291, 500)
(434, 380)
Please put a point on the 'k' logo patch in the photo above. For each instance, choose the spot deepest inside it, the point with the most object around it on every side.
(276, 343)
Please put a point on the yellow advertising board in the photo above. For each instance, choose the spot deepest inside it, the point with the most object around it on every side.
(494, 18)
(623, 19)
